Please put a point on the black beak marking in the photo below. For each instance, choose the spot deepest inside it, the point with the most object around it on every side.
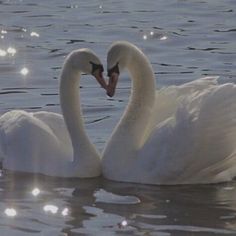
(96, 67)
(114, 69)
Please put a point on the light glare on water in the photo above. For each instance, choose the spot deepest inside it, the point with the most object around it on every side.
(36, 192)
(34, 34)
(51, 209)
(24, 71)
(3, 53)
(10, 212)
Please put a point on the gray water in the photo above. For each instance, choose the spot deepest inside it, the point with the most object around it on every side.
(184, 40)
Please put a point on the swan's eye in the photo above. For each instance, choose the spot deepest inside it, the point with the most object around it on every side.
(96, 67)
(114, 69)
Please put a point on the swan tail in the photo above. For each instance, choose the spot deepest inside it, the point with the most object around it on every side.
(168, 100)
(197, 143)
(214, 132)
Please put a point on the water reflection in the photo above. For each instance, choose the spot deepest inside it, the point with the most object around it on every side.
(11, 212)
(154, 35)
(35, 192)
(163, 38)
(65, 212)
(51, 209)
(124, 223)
(3, 32)
(24, 71)
(145, 37)
(34, 34)
(3, 53)
(11, 51)
(108, 197)
(92, 206)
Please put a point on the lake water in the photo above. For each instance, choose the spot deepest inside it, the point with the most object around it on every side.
(184, 41)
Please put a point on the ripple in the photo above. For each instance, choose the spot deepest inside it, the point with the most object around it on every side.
(204, 49)
(187, 228)
(225, 31)
(72, 41)
(107, 197)
(97, 120)
(11, 92)
(151, 216)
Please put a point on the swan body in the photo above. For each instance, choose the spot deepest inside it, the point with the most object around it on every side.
(49, 143)
(176, 135)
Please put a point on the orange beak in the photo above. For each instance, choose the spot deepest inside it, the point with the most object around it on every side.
(100, 79)
(111, 88)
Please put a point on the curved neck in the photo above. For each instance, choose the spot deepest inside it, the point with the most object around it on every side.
(134, 122)
(71, 110)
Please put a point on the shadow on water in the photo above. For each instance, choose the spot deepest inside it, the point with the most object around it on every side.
(94, 206)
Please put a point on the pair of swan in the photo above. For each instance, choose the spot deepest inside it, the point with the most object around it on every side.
(176, 135)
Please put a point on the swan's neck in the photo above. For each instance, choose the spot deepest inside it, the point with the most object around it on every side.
(70, 105)
(134, 122)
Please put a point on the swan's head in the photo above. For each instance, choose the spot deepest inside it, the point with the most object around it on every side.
(118, 58)
(85, 60)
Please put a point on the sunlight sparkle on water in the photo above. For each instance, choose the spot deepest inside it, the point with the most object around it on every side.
(3, 53)
(163, 37)
(24, 71)
(151, 33)
(35, 192)
(65, 212)
(11, 51)
(3, 32)
(124, 223)
(74, 6)
(228, 188)
(11, 212)
(145, 37)
(51, 209)
(34, 34)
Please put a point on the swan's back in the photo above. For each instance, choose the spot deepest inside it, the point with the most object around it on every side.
(169, 99)
(195, 141)
(24, 134)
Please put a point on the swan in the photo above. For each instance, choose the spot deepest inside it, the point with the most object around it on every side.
(176, 135)
(49, 143)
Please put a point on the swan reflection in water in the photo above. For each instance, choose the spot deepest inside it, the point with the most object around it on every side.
(74, 206)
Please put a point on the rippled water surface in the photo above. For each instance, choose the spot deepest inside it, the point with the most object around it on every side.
(184, 41)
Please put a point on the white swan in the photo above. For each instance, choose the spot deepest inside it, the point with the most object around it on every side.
(178, 135)
(44, 142)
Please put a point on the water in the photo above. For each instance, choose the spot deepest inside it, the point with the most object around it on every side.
(184, 41)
